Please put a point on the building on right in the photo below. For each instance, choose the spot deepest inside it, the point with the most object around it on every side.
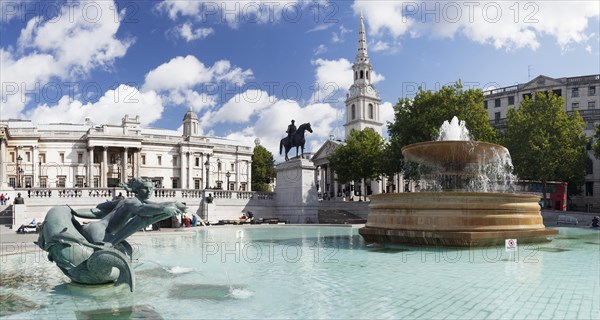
(580, 93)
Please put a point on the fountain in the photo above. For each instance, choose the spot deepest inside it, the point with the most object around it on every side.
(465, 197)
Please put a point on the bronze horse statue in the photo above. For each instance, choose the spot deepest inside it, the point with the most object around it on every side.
(296, 140)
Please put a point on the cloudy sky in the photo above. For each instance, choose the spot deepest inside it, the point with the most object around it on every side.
(249, 67)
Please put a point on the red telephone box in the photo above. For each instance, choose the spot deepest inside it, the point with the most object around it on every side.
(559, 197)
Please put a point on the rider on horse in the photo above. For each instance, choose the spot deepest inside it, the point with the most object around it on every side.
(290, 131)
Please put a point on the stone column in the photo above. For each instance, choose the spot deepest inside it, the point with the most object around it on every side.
(182, 178)
(249, 174)
(124, 166)
(3, 178)
(137, 162)
(35, 175)
(90, 174)
(190, 170)
(104, 166)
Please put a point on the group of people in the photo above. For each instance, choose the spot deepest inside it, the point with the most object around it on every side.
(5, 199)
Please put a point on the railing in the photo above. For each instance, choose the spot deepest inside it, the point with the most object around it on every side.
(583, 79)
(501, 90)
(41, 193)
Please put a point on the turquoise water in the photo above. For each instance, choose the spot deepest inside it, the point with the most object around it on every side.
(318, 272)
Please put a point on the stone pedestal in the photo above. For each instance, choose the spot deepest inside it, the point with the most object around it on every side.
(296, 193)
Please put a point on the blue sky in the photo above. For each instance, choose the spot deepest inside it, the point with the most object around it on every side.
(248, 67)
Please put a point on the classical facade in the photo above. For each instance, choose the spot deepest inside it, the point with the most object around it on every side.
(580, 94)
(69, 155)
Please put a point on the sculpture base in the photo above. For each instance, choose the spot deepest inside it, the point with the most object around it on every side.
(458, 219)
(454, 239)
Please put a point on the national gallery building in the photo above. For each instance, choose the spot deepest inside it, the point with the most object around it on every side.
(65, 155)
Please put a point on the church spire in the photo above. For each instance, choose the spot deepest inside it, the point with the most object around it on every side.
(362, 55)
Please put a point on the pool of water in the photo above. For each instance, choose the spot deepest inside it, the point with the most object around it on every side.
(317, 272)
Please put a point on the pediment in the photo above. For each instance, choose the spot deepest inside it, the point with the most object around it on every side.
(542, 81)
(322, 155)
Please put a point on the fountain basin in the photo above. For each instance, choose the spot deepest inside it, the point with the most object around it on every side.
(463, 219)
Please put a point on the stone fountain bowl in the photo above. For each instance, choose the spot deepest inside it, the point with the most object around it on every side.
(454, 219)
(454, 155)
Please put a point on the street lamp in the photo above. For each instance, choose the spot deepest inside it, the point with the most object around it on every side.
(206, 166)
(40, 168)
(228, 174)
(19, 171)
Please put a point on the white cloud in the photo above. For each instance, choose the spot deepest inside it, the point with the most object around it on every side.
(82, 38)
(320, 50)
(66, 47)
(505, 25)
(386, 115)
(235, 12)
(187, 32)
(340, 36)
(109, 109)
(320, 27)
(240, 107)
(333, 77)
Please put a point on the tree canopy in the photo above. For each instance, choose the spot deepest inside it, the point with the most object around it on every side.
(263, 169)
(420, 118)
(545, 142)
(596, 145)
(359, 159)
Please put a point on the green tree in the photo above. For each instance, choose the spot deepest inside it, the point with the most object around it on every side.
(359, 159)
(420, 118)
(263, 169)
(545, 142)
(596, 145)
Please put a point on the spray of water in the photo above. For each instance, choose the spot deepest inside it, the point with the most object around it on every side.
(470, 166)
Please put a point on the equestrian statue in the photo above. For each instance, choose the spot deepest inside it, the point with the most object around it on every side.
(97, 252)
(295, 138)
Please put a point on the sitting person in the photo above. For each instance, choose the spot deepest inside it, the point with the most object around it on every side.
(595, 222)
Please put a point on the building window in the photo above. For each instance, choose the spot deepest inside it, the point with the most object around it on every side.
(243, 186)
(575, 92)
(511, 100)
(11, 155)
(219, 185)
(28, 181)
(197, 161)
(589, 188)
(557, 92)
(575, 106)
(362, 74)
(233, 167)
(497, 103)
(353, 110)
(485, 104)
(591, 104)
(62, 157)
(231, 186)
(61, 182)
(96, 182)
(79, 182)
(589, 168)
(367, 74)
(197, 183)
(43, 182)
(355, 75)
(12, 182)
(143, 159)
(174, 161)
(159, 159)
(526, 96)
(371, 111)
(497, 118)
(175, 183)
(592, 91)
(27, 156)
(80, 158)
